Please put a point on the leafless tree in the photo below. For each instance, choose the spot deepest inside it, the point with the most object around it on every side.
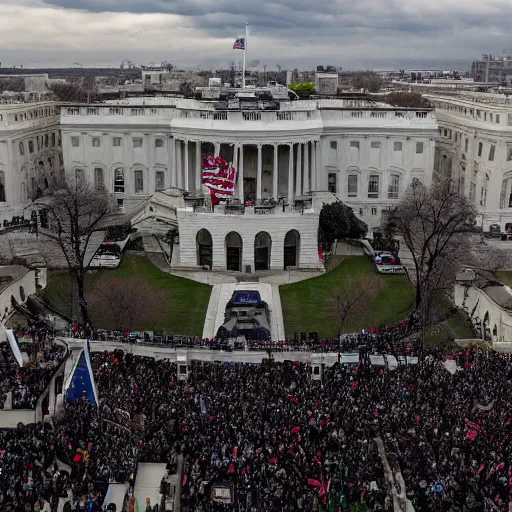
(351, 295)
(491, 259)
(75, 209)
(435, 224)
(126, 304)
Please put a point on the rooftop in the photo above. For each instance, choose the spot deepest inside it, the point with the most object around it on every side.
(9, 274)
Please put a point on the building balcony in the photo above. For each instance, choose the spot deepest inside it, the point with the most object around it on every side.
(262, 207)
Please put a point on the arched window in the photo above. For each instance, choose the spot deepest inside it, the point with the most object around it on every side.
(262, 251)
(234, 248)
(204, 248)
(292, 249)
(119, 180)
(98, 178)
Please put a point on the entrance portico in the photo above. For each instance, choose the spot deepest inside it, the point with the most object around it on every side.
(266, 170)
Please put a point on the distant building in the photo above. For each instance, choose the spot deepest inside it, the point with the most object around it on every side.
(491, 68)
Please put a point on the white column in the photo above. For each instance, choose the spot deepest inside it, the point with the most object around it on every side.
(318, 167)
(290, 175)
(241, 174)
(179, 170)
(305, 186)
(198, 168)
(275, 173)
(235, 161)
(298, 181)
(186, 164)
(172, 161)
(217, 149)
(258, 175)
(313, 166)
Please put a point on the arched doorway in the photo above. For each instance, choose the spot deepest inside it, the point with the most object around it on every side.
(234, 248)
(291, 249)
(486, 328)
(204, 248)
(262, 251)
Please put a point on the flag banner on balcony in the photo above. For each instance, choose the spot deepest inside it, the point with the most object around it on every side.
(220, 177)
(80, 385)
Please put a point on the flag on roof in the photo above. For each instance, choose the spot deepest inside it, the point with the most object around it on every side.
(239, 44)
(220, 177)
(80, 385)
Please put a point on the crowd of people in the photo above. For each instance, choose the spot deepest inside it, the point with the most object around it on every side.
(24, 384)
(274, 438)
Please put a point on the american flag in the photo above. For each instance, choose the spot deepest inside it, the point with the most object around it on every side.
(220, 177)
(239, 44)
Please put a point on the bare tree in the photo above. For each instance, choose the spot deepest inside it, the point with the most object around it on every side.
(351, 295)
(435, 224)
(491, 259)
(75, 210)
(126, 304)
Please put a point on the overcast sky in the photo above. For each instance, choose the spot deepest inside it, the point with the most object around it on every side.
(377, 34)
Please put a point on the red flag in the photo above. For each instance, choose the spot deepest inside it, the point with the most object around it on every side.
(314, 483)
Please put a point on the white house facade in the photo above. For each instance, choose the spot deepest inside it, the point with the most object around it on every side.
(474, 148)
(30, 153)
(287, 159)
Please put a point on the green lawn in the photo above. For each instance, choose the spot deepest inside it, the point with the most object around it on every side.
(307, 305)
(185, 301)
(505, 277)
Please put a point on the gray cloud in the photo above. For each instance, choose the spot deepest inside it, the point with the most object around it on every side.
(296, 33)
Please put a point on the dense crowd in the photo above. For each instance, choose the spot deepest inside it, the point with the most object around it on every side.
(278, 440)
(26, 383)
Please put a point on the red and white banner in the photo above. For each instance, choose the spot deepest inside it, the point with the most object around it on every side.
(220, 177)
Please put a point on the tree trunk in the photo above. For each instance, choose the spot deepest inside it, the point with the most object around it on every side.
(81, 300)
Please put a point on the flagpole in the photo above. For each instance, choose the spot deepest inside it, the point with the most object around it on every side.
(245, 51)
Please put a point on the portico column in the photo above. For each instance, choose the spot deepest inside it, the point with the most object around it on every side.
(235, 159)
(172, 158)
(258, 175)
(186, 164)
(305, 186)
(217, 149)
(290, 175)
(241, 174)
(198, 168)
(318, 167)
(275, 173)
(298, 181)
(179, 169)
(313, 166)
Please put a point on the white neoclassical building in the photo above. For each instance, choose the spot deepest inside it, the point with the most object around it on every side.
(474, 148)
(290, 160)
(30, 152)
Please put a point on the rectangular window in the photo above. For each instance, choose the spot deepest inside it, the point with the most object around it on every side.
(119, 181)
(137, 143)
(373, 186)
(159, 143)
(120, 205)
(354, 144)
(472, 191)
(75, 142)
(466, 145)
(53, 139)
(159, 180)
(46, 140)
(30, 146)
(375, 145)
(509, 154)
(331, 182)
(352, 185)
(139, 182)
(334, 144)
(116, 141)
(510, 119)
(96, 142)
(397, 146)
(393, 187)
(497, 119)
(480, 148)
(79, 174)
(419, 148)
(492, 149)
(22, 148)
(374, 211)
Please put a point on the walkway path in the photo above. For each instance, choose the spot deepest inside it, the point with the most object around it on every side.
(220, 296)
(94, 242)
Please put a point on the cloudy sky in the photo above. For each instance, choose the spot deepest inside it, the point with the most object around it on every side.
(378, 34)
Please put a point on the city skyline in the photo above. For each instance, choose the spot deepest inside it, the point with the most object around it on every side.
(60, 33)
